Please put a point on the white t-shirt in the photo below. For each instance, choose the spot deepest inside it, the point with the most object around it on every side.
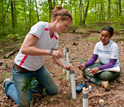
(107, 52)
(41, 31)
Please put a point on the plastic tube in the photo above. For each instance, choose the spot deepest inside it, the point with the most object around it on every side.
(64, 54)
(73, 86)
(101, 102)
(67, 61)
(85, 97)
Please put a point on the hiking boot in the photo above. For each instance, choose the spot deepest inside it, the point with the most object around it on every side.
(5, 81)
(105, 84)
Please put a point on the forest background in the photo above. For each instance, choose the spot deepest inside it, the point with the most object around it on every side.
(17, 16)
(89, 17)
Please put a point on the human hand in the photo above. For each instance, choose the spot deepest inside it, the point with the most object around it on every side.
(69, 67)
(81, 66)
(57, 53)
(93, 70)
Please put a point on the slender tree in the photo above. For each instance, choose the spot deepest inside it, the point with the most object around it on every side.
(25, 19)
(12, 14)
(50, 8)
(95, 10)
(61, 2)
(80, 12)
(37, 10)
(3, 21)
(86, 11)
(119, 7)
(109, 9)
(14, 7)
(29, 4)
(5, 15)
(54, 3)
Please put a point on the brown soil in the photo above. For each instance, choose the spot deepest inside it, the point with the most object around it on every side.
(80, 48)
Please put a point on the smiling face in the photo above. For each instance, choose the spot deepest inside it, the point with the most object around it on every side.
(62, 26)
(105, 37)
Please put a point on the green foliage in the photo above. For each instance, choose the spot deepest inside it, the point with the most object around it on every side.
(5, 75)
(30, 84)
(62, 76)
(118, 24)
(91, 38)
(78, 60)
(1, 50)
(15, 37)
(26, 14)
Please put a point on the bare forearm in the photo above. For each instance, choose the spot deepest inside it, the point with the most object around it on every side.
(59, 62)
(34, 51)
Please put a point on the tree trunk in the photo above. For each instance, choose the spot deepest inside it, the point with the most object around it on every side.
(95, 10)
(75, 11)
(37, 11)
(12, 14)
(80, 13)
(86, 11)
(29, 4)
(5, 15)
(54, 3)
(119, 7)
(50, 8)
(15, 19)
(3, 21)
(25, 20)
(109, 9)
(61, 2)
(103, 11)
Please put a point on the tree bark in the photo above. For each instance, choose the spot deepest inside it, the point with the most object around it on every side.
(54, 3)
(3, 21)
(15, 19)
(50, 8)
(5, 15)
(80, 12)
(95, 10)
(86, 11)
(12, 13)
(109, 9)
(25, 19)
(37, 10)
(29, 4)
(61, 2)
(119, 7)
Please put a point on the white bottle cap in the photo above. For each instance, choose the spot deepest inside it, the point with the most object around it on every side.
(90, 87)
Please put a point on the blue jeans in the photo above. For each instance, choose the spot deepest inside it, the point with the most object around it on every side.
(23, 98)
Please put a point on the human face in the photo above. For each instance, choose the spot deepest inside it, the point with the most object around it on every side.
(62, 26)
(105, 37)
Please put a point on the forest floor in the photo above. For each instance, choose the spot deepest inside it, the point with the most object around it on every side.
(81, 47)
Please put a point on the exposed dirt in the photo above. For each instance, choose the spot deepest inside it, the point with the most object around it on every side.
(81, 48)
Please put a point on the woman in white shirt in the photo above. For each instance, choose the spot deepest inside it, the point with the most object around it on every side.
(107, 52)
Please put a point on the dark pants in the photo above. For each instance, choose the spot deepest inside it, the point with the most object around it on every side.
(102, 76)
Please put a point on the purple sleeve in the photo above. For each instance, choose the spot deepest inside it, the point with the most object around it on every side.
(108, 65)
(92, 60)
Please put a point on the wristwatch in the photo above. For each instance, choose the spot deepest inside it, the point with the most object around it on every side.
(51, 51)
